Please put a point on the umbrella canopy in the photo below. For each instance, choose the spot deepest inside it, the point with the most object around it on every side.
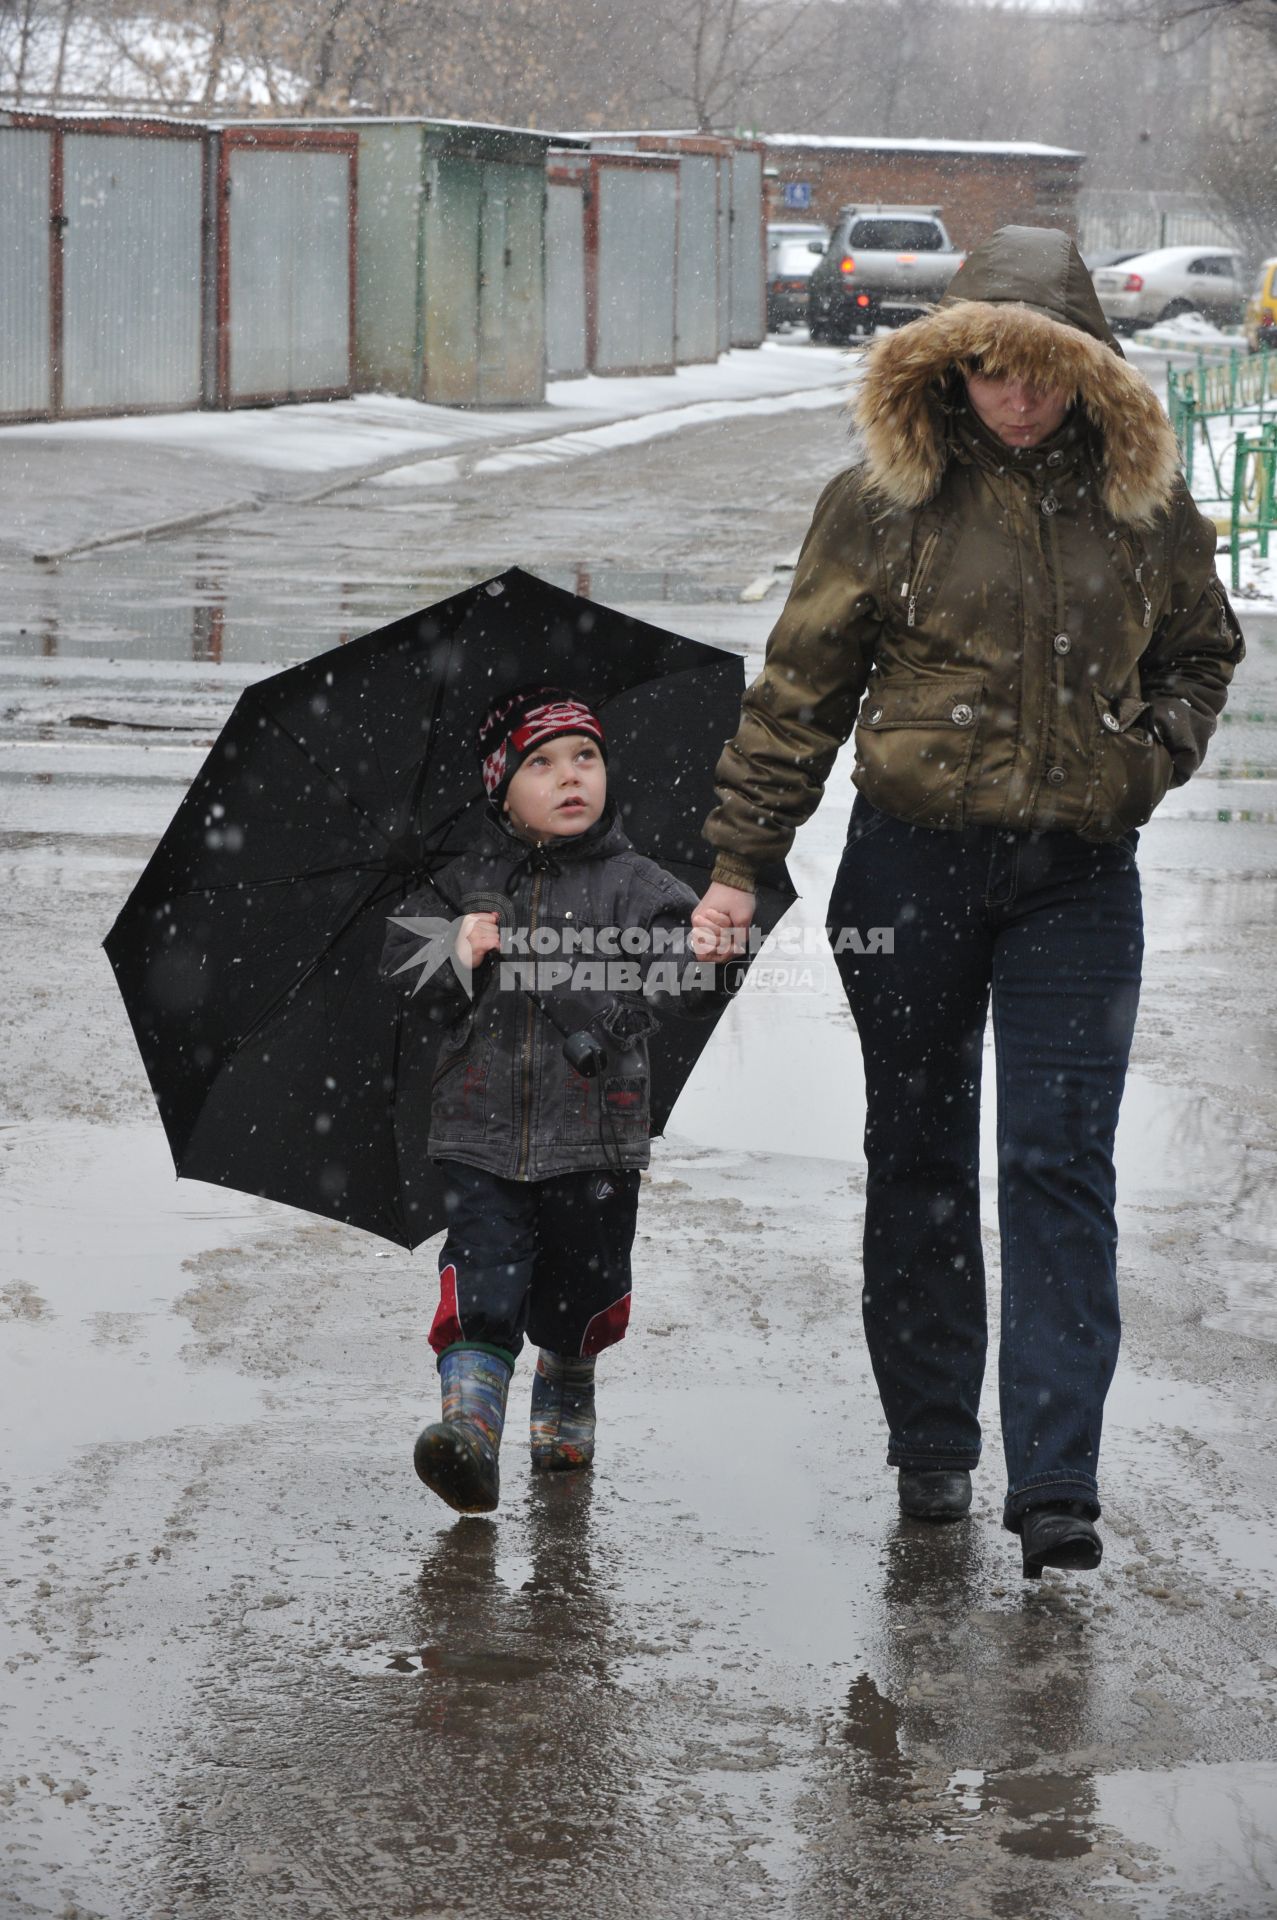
(247, 954)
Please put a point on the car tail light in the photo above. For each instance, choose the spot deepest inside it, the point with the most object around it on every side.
(862, 299)
(1134, 283)
(907, 259)
(847, 264)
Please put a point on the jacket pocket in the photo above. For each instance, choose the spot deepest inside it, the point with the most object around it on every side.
(610, 1111)
(459, 1095)
(914, 745)
(1131, 770)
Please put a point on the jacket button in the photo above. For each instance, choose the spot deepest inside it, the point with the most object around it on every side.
(1055, 459)
(1049, 503)
(876, 714)
(962, 714)
(1061, 643)
(1057, 776)
(1109, 722)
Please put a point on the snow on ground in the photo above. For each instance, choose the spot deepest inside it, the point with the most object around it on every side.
(146, 470)
(329, 435)
(1192, 330)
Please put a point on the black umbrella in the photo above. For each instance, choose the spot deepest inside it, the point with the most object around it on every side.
(247, 953)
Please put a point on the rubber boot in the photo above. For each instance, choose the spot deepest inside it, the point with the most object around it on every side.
(562, 1413)
(457, 1456)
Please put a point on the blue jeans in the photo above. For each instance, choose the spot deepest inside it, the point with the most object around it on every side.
(1050, 927)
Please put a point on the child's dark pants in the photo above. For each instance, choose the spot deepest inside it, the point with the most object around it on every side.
(545, 1258)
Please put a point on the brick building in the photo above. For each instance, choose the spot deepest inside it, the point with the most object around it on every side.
(978, 185)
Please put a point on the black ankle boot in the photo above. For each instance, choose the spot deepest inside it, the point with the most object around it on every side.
(1059, 1534)
(934, 1493)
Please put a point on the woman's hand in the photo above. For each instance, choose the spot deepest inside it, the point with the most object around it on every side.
(721, 922)
(478, 935)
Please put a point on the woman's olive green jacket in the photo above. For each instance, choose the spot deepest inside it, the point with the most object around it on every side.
(1026, 638)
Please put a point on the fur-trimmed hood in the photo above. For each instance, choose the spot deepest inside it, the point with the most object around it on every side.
(1022, 305)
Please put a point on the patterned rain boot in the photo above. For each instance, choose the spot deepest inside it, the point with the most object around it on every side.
(457, 1456)
(562, 1412)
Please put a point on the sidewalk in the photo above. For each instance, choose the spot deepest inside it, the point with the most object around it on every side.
(86, 481)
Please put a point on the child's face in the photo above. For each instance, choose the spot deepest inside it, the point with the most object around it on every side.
(560, 789)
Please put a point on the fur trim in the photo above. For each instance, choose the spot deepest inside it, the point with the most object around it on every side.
(903, 430)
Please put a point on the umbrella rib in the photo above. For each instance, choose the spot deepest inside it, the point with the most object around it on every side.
(289, 993)
(351, 803)
(436, 703)
(400, 1012)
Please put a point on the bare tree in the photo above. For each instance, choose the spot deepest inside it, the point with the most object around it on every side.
(17, 28)
(712, 54)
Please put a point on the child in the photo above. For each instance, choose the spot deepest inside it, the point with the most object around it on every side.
(540, 1161)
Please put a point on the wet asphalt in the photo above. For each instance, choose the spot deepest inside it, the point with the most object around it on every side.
(251, 1672)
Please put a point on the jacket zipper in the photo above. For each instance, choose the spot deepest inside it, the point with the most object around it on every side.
(1137, 568)
(919, 580)
(1148, 604)
(528, 1025)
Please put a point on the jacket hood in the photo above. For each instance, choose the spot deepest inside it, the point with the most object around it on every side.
(1023, 306)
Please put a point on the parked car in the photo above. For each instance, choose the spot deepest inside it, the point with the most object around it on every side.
(789, 265)
(1108, 257)
(1260, 320)
(1169, 281)
(883, 266)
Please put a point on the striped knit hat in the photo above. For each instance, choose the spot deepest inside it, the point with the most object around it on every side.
(524, 720)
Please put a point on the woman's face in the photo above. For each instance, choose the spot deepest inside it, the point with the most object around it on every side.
(1019, 414)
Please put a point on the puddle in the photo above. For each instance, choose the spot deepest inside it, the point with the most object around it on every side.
(648, 584)
(1203, 1839)
(1213, 1828)
(93, 1217)
(495, 1668)
(216, 612)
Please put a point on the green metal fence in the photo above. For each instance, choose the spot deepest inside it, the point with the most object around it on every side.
(1217, 389)
(1254, 497)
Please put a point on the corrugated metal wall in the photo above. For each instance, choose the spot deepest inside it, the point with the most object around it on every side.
(749, 280)
(696, 322)
(511, 284)
(636, 208)
(451, 261)
(453, 214)
(390, 246)
(725, 253)
(288, 273)
(132, 261)
(454, 291)
(26, 361)
(565, 352)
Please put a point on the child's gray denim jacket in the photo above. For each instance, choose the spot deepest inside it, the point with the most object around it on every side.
(504, 1096)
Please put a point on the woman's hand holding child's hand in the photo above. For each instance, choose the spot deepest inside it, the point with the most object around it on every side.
(721, 921)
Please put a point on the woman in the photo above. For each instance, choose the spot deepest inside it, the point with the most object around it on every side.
(1012, 599)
